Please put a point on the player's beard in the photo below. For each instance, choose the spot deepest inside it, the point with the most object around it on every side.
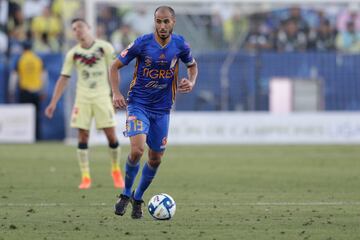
(167, 36)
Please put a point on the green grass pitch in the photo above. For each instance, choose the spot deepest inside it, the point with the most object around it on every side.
(222, 192)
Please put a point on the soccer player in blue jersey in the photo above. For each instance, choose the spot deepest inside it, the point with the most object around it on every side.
(151, 95)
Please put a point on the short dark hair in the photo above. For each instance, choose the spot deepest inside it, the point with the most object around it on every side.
(170, 9)
(79, 20)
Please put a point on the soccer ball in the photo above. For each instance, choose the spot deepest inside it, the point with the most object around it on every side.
(162, 207)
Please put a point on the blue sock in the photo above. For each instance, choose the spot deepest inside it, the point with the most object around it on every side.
(148, 174)
(130, 175)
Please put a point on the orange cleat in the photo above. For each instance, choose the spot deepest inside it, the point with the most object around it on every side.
(85, 183)
(118, 179)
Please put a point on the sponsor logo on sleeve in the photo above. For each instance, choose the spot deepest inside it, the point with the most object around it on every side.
(126, 50)
(124, 53)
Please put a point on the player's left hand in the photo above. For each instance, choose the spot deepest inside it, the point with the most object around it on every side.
(185, 85)
(119, 100)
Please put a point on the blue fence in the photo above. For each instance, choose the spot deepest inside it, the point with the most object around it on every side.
(340, 75)
(53, 128)
(249, 76)
(4, 75)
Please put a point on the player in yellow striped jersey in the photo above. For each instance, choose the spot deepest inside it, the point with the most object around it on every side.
(91, 58)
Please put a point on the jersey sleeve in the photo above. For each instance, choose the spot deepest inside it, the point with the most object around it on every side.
(109, 54)
(186, 55)
(68, 64)
(131, 52)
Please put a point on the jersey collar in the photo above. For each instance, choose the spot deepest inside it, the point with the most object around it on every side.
(91, 45)
(161, 46)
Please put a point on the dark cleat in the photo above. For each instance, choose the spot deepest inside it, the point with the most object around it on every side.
(121, 204)
(137, 211)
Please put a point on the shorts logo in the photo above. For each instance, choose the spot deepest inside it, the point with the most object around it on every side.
(75, 111)
(131, 118)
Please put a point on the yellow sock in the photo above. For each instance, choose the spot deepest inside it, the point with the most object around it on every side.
(83, 158)
(115, 158)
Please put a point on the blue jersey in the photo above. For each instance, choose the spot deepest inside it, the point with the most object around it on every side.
(156, 71)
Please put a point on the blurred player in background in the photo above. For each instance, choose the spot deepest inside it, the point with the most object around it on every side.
(92, 58)
(30, 77)
(151, 95)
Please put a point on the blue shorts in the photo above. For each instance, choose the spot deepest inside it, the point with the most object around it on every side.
(154, 126)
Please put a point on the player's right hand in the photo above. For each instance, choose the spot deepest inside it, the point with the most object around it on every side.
(119, 101)
(49, 111)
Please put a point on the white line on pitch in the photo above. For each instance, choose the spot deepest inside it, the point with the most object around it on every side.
(340, 203)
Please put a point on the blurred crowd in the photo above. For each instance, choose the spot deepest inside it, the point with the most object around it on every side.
(297, 29)
(289, 29)
(38, 21)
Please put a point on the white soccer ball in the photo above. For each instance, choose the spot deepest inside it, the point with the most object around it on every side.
(162, 207)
